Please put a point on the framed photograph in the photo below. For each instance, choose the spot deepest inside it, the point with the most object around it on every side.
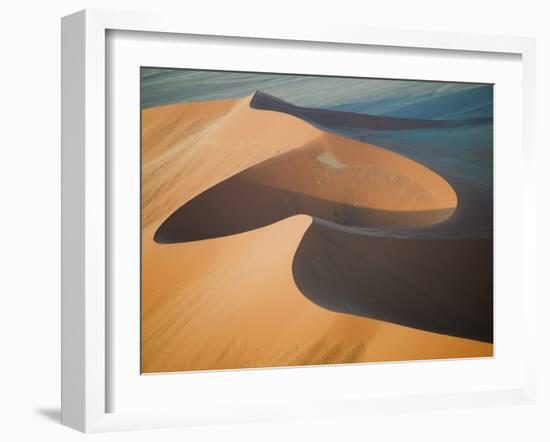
(268, 223)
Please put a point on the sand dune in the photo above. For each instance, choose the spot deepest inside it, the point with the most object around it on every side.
(327, 118)
(188, 148)
(439, 285)
(235, 301)
(331, 177)
(232, 303)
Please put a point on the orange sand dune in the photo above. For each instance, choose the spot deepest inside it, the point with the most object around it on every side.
(187, 148)
(232, 302)
(331, 177)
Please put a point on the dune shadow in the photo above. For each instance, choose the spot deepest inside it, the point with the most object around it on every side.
(237, 206)
(332, 119)
(341, 181)
(439, 285)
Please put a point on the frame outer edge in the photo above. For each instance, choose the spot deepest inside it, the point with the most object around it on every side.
(95, 222)
(529, 210)
(83, 190)
(339, 33)
(83, 222)
(73, 80)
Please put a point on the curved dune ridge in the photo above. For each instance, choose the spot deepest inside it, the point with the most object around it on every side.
(326, 118)
(330, 177)
(245, 180)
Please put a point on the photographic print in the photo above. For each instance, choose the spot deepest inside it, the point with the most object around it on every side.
(294, 220)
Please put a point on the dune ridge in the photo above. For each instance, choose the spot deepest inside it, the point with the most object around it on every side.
(239, 295)
(371, 187)
(188, 148)
(326, 118)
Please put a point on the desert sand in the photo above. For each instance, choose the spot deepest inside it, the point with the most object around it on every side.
(230, 297)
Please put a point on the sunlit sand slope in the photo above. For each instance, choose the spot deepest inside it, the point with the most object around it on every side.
(232, 302)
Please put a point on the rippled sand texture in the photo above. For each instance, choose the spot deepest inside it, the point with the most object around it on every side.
(267, 241)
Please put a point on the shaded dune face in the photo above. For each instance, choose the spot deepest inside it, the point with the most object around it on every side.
(439, 285)
(330, 118)
(332, 178)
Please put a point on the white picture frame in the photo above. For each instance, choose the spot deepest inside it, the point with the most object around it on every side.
(85, 207)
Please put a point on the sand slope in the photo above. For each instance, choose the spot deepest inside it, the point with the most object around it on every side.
(188, 148)
(233, 302)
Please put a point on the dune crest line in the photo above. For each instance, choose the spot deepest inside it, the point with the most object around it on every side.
(326, 118)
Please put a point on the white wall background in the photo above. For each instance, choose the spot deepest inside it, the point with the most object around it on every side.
(30, 220)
